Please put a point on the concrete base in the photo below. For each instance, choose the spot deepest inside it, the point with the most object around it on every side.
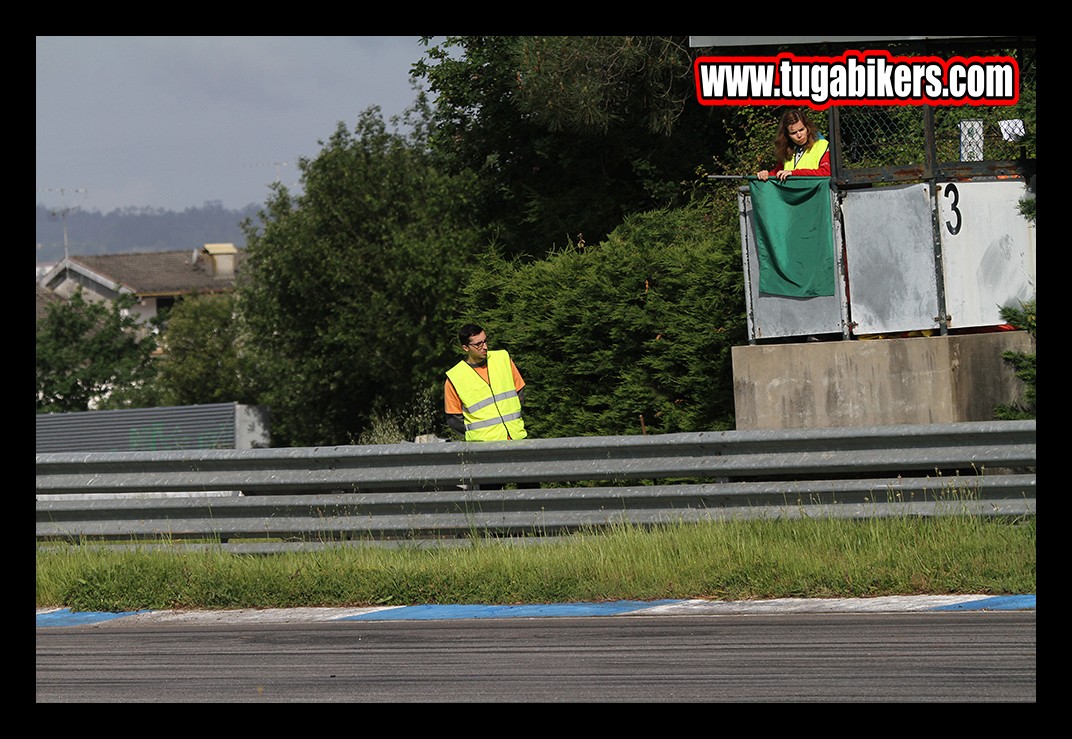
(876, 382)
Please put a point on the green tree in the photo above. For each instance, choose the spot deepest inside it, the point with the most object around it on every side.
(1023, 363)
(749, 133)
(202, 359)
(347, 290)
(87, 350)
(627, 336)
(568, 135)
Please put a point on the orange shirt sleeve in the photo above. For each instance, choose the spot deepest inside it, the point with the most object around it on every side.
(452, 404)
(519, 381)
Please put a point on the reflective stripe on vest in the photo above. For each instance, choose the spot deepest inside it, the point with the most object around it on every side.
(809, 159)
(491, 413)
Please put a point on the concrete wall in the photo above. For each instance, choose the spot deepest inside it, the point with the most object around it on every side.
(934, 379)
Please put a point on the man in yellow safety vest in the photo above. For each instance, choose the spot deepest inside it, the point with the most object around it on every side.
(484, 392)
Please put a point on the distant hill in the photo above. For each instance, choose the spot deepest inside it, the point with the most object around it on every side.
(139, 230)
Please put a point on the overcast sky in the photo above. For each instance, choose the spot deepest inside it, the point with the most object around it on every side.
(174, 122)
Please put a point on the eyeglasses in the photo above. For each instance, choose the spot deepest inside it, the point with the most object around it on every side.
(478, 344)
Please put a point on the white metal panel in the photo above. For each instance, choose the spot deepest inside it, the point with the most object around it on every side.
(778, 316)
(888, 233)
(889, 246)
(988, 250)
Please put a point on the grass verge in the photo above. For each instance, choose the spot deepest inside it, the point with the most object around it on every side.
(733, 560)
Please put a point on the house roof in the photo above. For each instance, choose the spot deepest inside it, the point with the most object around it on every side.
(45, 297)
(158, 273)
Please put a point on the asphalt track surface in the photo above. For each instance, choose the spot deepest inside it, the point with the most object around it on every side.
(930, 649)
(886, 604)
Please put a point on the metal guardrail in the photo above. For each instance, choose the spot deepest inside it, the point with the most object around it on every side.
(301, 497)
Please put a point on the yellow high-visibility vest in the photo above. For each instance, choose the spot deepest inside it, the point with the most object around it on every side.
(491, 412)
(809, 159)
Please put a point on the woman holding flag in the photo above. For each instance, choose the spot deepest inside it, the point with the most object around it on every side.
(800, 147)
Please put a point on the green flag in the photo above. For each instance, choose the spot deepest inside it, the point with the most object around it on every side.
(794, 236)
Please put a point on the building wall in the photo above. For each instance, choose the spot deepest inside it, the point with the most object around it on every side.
(935, 379)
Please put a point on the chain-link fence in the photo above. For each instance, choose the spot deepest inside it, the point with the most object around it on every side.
(894, 139)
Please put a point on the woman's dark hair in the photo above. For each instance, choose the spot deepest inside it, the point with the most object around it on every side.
(783, 145)
(467, 332)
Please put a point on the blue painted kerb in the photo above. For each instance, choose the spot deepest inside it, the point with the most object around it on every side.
(66, 617)
(997, 603)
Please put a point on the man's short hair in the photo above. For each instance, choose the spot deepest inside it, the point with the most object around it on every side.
(467, 332)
